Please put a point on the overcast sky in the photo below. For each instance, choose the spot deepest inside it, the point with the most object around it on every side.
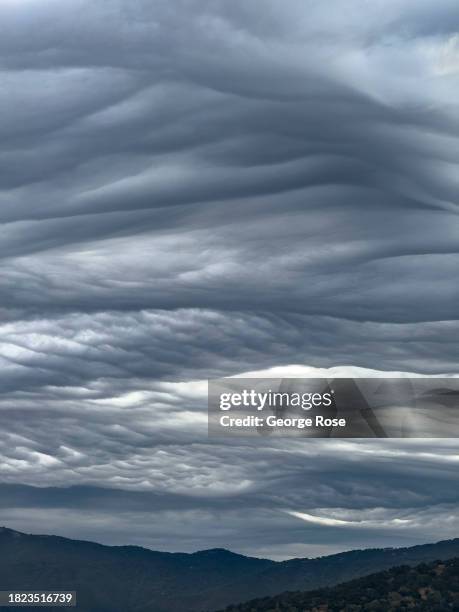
(192, 189)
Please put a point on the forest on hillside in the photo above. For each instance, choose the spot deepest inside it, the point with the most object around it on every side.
(432, 587)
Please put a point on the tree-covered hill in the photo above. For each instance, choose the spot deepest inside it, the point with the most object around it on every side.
(432, 587)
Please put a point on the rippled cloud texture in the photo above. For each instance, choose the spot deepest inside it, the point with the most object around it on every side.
(192, 189)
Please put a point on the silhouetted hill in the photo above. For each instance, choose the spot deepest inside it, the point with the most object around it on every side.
(130, 578)
(432, 587)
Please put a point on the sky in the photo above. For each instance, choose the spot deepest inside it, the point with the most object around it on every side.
(194, 189)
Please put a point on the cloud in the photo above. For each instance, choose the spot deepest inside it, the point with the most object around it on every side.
(124, 457)
(208, 189)
(326, 521)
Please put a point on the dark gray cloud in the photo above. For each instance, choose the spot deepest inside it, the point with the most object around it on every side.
(199, 189)
(175, 151)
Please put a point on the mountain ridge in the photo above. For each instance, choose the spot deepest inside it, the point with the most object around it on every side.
(205, 551)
